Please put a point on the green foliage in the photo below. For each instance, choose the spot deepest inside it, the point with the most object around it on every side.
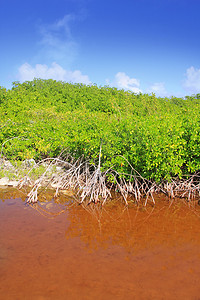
(159, 137)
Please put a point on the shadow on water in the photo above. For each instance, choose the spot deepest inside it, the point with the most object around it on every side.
(56, 249)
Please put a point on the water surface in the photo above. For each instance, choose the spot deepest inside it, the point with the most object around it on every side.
(55, 250)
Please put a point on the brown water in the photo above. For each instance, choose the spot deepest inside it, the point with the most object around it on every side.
(56, 251)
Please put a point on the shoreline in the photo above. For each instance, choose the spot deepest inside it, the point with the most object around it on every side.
(89, 183)
(13, 173)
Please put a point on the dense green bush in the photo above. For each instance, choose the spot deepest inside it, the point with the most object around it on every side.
(159, 137)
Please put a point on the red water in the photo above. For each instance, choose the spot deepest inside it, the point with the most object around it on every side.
(54, 251)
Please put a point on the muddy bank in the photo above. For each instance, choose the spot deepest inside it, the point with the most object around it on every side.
(57, 250)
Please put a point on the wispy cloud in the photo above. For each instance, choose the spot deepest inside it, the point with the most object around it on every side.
(123, 81)
(57, 42)
(192, 81)
(159, 89)
(28, 73)
(57, 51)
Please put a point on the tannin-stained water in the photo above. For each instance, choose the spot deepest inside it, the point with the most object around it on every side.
(55, 250)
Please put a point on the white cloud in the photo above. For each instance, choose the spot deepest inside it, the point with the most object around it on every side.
(28, 73)
(123, 81)
(192, 81)
(158, 88)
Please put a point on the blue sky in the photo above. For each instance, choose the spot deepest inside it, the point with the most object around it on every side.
(141, 45)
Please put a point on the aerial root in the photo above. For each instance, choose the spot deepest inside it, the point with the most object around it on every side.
(93, 185)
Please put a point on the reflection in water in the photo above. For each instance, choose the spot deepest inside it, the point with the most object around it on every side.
(56, 249)
(134, 228)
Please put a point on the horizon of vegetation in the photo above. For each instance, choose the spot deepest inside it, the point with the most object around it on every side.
(155, 137)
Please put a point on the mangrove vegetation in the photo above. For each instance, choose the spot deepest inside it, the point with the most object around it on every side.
(104, 138)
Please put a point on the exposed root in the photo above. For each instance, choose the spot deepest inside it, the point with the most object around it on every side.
(92, 185)
(188, 188)
(87, 179)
